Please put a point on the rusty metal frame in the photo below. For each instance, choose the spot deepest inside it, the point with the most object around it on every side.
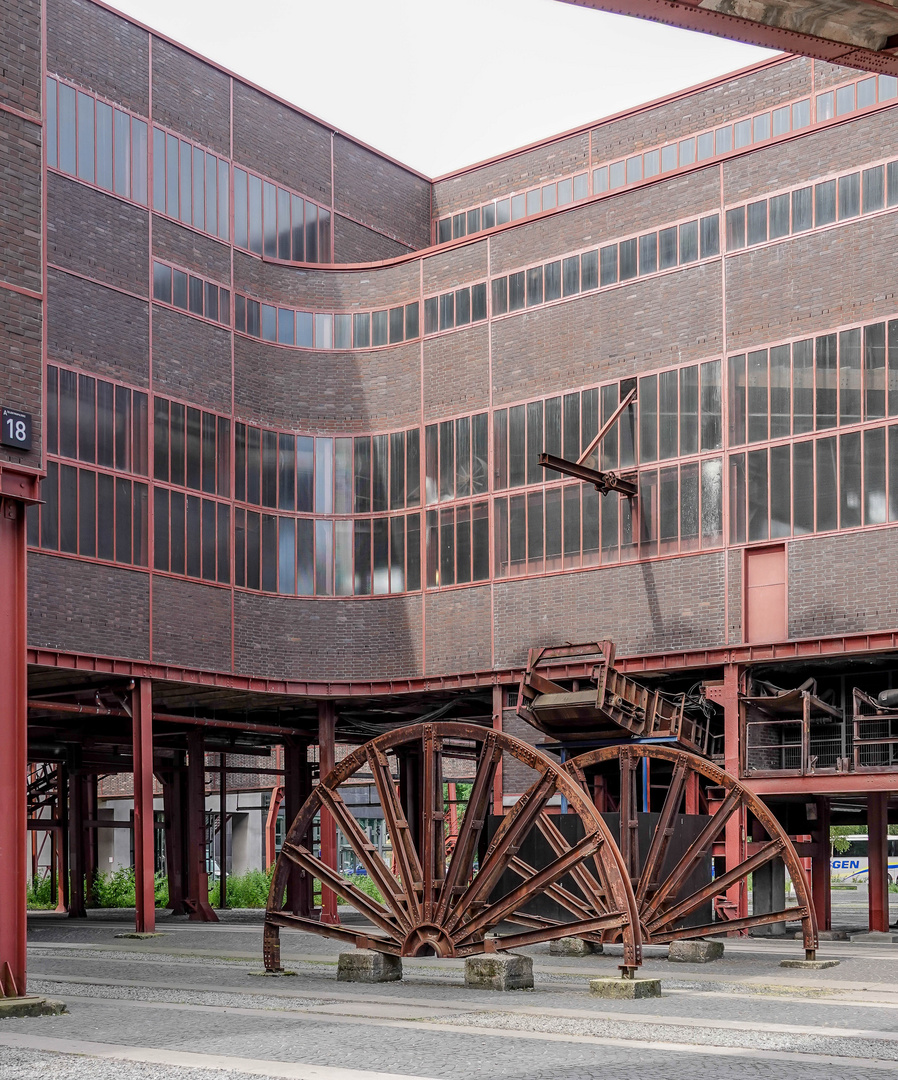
(432, 905)
(661, 906)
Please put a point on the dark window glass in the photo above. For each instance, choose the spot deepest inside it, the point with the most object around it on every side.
(177, 456)
(211, 303)
(757, 222)
(87, 513)
(269, 220)
(736, 228)
(184, 183)
(648, 418)
(286, 472)
(87, 389)
(478, 302)
(411, 321)
(286, 326)
(67, 129)
(380, 472)
(609, 264)
(458, 225)
(802, 488)
(269, 553)
(462, 457)
(209, 535)
(779, 216)
(52, 407)
(361, 330)
(297, 207)
(162, 282)
(199, 190)
(447, 311)
(758, 512)
(571, 427)
(827, 385)
(224, 311)
(447, 460)
(553, 281)
(827, 485)
(589, 270)
(160, 439)
(304, 474)
(269, 468)
(123, 520)
(270, 323)
(179, 289)
(488, 216)
(397, 470)
(212, 195)
(825, 203)
(462, 307)
(500, 295)
(802, 210)
(571, 276)
(68, 414)
(283, 225)
(444, 230)
(628, 259)
(875, 477)
(850, 377)
(413, 467)
(311, 232)
(463, 542)
(874, 189)
(474, 220)
(874, 371)
(668, 247)
(447, 548)
(304, 329)
(431, 315)
(50, 509)
(552, 414)
(342, 331)
(688, 242)
(362, 546)
(105, 517)
(757, 396)
(891, 182)
(123, 425)
(52, 135)
(85, 137)
(668, 415)
(105, 424)
(397, 324)
(240, 462)
(161, 531)
(517, 463)
(534, 286)
(253, 550)
(195, 301)
(648, 253)
(516, 293)
(780, 392)
(240, 312)
(737, 397)
(535, 472)
(479, 453)
(849, 196)
(193, 443)
(850, 491)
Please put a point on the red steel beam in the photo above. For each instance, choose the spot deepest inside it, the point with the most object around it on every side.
(877, 840)
(144, 864)
(327, 720)
(13, 744)
(688, 15)
(823, 784)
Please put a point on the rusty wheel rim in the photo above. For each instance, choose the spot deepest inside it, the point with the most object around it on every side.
(659, 890)
(436, 905)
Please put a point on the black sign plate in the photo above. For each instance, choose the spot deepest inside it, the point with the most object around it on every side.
(15, 429)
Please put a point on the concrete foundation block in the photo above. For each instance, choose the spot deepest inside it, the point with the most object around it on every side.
(573, 946)
(30, 1006)
(628, 989)
(809, 965)
(694, 952)
(826, 935)
(500, 971)
(368, 966)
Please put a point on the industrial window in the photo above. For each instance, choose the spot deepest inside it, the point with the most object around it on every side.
(191, 448)
(191, 293)
(191, 536)
(457, 545)
(92, 514)
(190, 184)
(322, 331)
(278, 223)
(96, 421)
(456, 458)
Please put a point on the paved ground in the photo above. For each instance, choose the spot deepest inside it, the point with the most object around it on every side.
(191, 1004)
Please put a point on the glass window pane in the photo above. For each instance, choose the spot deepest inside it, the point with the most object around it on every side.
(802, 210)
(608, 257)
(648, 253)
(240, 209)
(779, 216)
(712, 502)
(874, 371)
(67, 127)
(801, 113)
(589, 270)
(688, 412)
(874, 189)
(104, 145)
(850, 377)
(780, 492)
(875, 509)
(711, 405)
(850, 480)
(802, 387)
(849, 196)
(628, 259)
(668, 247)
(757, 396)
(758, 528)
(825, 203)
(736, 228)
(85, 137)
(827, 485)
(827, 390)
(688, 242)
(534, 285)
(802, 488)
(648, 418)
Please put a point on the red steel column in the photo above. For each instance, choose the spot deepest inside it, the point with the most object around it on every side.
(14, 743)
(821, 882)
(144, 862)
(197, 875)
(877, 855)
(76, 839)
(327, 757)
(735, 828)
(498, 807)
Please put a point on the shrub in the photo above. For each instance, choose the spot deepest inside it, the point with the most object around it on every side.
(39, 895)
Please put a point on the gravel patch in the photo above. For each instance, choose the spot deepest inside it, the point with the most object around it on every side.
(30, 1064)
(836, 1045)
(114, 992)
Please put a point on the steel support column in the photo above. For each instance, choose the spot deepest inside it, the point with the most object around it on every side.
(76, 838)
(498, 809)
(222, 832)
(144, 862)
(821, 883)
(197, 899)
(877, 855)
(14, 743)
(327, 757)
(297, 788)
(174, 803)
(734, 836)
(91, 862)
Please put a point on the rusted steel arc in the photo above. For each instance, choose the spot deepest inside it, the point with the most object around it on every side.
(343, 888)
(504, 847)
(397, 826)
(461, 866)
(584, 928)
(549, 875)
(663, 831)
(554, 892)
(391, 890)
(361, 941)
(629, 822)
(691, 857)
(717, 886)
(434, 846)
(793, 914)
(591, 889)
(759, 810)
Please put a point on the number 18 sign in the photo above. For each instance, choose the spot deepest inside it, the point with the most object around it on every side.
(15, 429)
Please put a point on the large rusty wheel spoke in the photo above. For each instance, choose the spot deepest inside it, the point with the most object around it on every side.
(666, 891)
(459, 904)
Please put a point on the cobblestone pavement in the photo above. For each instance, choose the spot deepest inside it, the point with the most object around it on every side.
(190, 1004)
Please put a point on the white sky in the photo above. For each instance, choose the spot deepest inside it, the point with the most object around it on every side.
(441, 85)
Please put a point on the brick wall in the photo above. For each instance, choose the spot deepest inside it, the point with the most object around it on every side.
(456, 372)
(189, 248)
(20, 366)
(458, 630)
(97, 235)
(100, 51)
(191, 97)
(842, 584)
(734, 597)
(99, 329)
(327, 392)
(637, 327)
(354, 243)
(88, 607)
(516, 776)
(191, 624)
(191, 359)
(20, 59)
(643, 607)
(20, 202)
(382, 193)
(330, 639)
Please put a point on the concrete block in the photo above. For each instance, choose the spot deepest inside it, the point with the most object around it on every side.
(500, 971)
(368, 966)
(30, 1006)
(573, 946)
(694, 952)
(826, 935)
(629, 989)
(809, 965)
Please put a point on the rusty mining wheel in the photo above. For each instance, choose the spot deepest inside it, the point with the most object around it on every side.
(676, 781)
(460, 905)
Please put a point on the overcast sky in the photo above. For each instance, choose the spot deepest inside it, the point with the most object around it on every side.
(441, 85)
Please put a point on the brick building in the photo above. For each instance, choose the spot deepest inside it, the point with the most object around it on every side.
(286, 398)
